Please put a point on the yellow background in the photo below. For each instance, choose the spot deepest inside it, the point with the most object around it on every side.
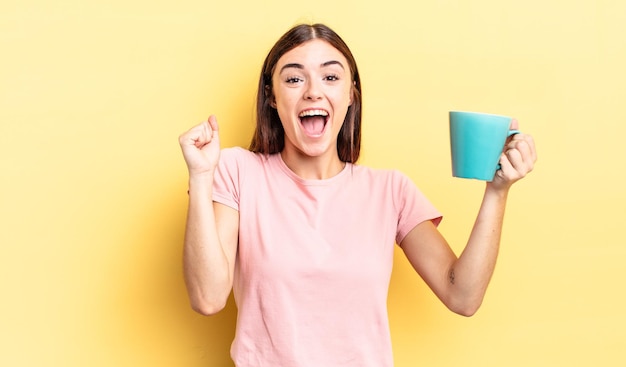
(93, 96)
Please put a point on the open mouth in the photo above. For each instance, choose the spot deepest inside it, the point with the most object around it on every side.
(313, 121)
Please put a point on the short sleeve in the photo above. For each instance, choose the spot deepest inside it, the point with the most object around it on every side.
(413, 207)
(226, 182)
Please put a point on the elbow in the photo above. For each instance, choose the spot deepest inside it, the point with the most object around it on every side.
(206, 305)
(207, 308)
(466, 311)
(206, 300)
(467, 308)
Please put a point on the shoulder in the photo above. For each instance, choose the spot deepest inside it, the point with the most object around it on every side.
(392, 177)
(236, 153)
(240, 163)
(389, 184)
(235, 167)
(238, 156)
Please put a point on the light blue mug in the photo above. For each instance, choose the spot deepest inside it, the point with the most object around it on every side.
(476, 143)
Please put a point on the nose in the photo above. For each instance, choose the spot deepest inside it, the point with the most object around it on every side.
(313, 91)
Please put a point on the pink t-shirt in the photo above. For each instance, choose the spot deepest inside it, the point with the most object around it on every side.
(314, 260)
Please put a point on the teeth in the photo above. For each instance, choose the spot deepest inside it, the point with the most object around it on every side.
(313, 113)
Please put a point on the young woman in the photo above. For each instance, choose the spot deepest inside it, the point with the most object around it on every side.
(304, 236)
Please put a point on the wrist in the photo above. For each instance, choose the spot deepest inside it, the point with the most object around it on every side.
(497, 192)
(201, 182)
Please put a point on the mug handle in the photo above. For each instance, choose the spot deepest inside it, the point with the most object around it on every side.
(511, 132)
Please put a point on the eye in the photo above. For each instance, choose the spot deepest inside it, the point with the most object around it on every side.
(331, 77)
(293, 80)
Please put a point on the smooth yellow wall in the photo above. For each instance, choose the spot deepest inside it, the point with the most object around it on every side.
(93, 95)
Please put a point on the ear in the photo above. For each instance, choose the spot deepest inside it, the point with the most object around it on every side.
(270, 96)
(352, 93)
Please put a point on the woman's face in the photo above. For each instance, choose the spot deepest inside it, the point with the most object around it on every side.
(312, 90)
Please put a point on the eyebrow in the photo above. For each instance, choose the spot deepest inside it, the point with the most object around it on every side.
(300, 66)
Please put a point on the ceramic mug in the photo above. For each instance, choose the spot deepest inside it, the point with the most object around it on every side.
(476, 143)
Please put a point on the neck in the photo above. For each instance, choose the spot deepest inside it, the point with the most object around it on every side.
(313, 168)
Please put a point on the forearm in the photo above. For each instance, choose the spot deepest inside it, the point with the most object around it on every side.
(206, 266)
(471, 273)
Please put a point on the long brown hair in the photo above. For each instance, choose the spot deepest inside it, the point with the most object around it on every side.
(269, 135)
